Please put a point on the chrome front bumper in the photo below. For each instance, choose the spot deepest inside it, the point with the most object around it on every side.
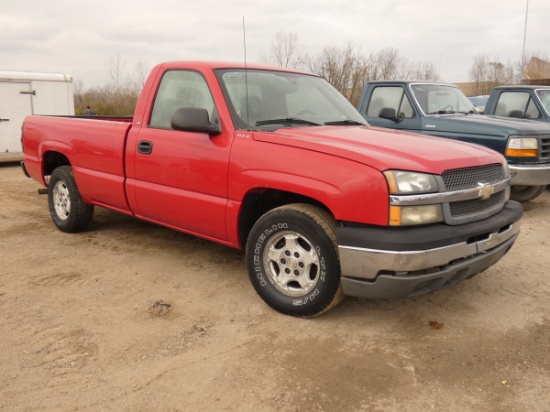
(391, 287)
(530, 175)
(400, 269)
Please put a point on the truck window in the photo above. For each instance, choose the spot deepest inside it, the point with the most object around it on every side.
(516, 104)
(390, 97)
(266, 96)
(178, 89)
(256, 96)
(532, 112)
(544, 96)
(437, 99)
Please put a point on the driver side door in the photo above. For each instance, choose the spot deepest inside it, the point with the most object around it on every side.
(179, 178)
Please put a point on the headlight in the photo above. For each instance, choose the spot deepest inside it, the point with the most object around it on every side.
(411, 183)
(522, 147)
(415, 215)
(403, 183)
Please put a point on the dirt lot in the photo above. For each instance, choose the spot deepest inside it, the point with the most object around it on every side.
(133, 317)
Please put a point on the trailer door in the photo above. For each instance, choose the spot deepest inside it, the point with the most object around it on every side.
(15, 104)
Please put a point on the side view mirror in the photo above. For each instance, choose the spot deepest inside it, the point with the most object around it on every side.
(389, 113)
(194, 119)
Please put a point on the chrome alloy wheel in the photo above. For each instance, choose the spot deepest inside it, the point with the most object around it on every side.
(62, 200)
(291, 264)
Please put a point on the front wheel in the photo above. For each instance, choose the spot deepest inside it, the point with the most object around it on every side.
(526, 193)
(293, 262)
(67, 209)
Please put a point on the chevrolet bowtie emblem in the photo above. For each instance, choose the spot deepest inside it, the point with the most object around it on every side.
(485, 190)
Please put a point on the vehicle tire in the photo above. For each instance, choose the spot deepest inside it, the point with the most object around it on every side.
(292, 260)
(67, 209)
(526, 193)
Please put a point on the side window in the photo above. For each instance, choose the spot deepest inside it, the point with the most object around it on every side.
(532, 112)
(544, 96)
(178, 89)
(512, 104)
(390, 97)
(406, 111)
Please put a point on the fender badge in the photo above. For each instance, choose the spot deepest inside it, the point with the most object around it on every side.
(485, 190)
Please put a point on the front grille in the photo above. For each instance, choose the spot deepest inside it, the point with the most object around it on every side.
(469, 207)
(545, 148)
(467, 178)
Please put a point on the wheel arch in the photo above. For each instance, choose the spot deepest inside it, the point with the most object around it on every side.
(258, 202)
(52, 160)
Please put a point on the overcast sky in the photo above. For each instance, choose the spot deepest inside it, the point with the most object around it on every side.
(78, 38)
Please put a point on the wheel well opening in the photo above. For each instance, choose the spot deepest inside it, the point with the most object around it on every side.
(258, 202)
(53, 160)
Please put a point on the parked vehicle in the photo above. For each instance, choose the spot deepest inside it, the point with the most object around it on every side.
(521, 102)
(479, 102)
(439, 109)
(278, 163)
(25, 93)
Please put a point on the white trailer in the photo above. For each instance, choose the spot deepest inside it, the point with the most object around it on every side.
(25, 93)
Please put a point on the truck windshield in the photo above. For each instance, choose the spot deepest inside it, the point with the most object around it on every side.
(269, 100)
(544, 96)
(441, 99)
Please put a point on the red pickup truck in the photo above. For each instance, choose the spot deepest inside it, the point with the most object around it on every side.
(278, 163)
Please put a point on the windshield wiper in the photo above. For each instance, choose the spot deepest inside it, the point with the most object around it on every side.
(286, 120)
(345, 123)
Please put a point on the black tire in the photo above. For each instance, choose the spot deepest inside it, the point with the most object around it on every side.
(292, 260)
(67, 209)
(526, 193)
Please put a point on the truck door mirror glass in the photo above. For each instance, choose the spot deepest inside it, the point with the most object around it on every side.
(194, 119)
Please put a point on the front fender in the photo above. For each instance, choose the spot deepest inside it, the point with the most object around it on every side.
(352, 191)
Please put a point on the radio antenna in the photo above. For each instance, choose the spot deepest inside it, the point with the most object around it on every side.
(246, 75)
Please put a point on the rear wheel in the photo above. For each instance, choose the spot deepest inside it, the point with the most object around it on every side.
(526, 193)
(67, 209)
(293, 262)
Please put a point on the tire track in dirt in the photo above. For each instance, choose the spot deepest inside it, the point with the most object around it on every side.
(58, 279)
(60, 349)
(52, 360)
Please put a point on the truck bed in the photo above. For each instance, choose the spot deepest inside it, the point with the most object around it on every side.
(95, 146)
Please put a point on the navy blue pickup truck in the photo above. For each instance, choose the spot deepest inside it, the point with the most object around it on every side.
(439, 109)
(521, 102)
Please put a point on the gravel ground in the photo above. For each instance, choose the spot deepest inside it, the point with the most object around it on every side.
(134, 317)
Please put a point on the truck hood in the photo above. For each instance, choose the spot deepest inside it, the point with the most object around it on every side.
(484, 125)
(384, 149)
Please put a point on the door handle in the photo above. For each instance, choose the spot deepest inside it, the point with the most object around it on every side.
(145, 147)
(4, 120)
